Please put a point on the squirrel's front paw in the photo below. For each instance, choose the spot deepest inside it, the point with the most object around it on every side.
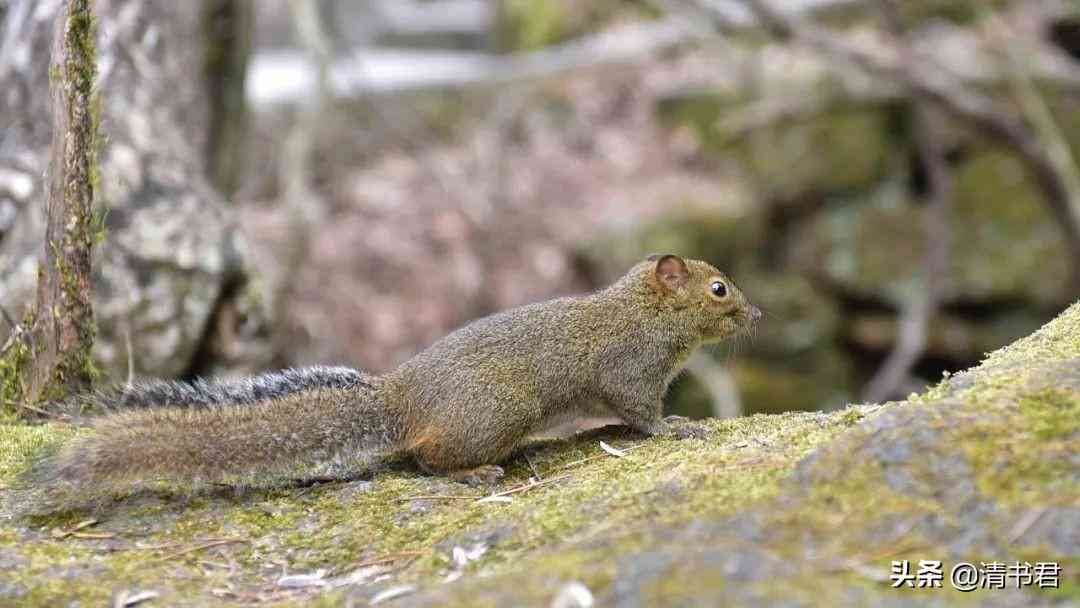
(673, 419)
(690, 431)
(483, 475)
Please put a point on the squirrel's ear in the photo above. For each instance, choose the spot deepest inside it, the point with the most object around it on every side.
(671, 272)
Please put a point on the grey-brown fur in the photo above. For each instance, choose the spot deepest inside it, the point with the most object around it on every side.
(457, 408)
(323, 425)
(231, 391)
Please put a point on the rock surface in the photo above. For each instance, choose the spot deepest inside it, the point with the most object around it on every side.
(798, 509)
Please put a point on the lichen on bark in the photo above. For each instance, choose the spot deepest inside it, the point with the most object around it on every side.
(54, 357)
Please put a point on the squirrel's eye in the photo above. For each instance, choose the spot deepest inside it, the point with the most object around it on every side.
(719, 289)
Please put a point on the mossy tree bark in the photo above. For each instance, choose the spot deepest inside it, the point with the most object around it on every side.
(171, 295)
(62, 326)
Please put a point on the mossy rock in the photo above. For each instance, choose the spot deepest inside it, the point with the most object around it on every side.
(958, 12)
(805, 509)
(1005, 245)
(998, 214)
(1062, 104)
(528, 25)
(808, 381)
(951, 337)
(834, 153)
(837, 151)
(720, 232)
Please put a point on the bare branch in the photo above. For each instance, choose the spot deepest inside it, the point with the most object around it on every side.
(738, 123)
(920, 310)
(981, 112)
(279, 77)
(718, 383)
(917, 314)
(1036, 111)
(305, 206)
(7, 318)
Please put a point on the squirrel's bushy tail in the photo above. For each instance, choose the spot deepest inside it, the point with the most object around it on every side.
(311, 424)
(208, 393)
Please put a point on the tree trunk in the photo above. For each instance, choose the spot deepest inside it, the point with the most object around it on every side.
(62, 330)
(170, 289)
(227, 29)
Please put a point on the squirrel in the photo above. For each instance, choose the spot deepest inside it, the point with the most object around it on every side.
(458, 408)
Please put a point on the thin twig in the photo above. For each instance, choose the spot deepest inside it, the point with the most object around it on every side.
(528, 486)
(208, 545)
(598, 456)
(718, 383)
(157, 547)
(536, 474)
(858, 562)
(10, 321)
(37, 410)
(129, 598)
(1035, 109)
(438, 497)
(1033, 515)
(60, 533)
(386, 558)
(92, 535)
(130, 354)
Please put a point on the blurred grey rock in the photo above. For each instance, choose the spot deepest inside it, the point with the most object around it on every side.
(171, 266)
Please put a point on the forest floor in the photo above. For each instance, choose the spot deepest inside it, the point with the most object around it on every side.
(794, 509)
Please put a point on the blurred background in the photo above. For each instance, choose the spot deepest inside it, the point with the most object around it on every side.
(297, 182)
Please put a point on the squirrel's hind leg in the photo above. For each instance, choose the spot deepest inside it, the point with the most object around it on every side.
(442, 459)
(483, 475)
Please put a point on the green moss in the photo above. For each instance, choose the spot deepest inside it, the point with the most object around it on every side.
(528, 25)
(851, 417)
(855, 241)
(99, 226)
(1052, 413)
(839, 151)
(1057, 340)
(681, 586)
(959, 12)
(72, 366)
(12, 368)
(331, 526)
(830, 497)
(18, 442)
(996, 200)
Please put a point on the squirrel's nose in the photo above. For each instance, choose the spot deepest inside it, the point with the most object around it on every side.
(755, 314)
